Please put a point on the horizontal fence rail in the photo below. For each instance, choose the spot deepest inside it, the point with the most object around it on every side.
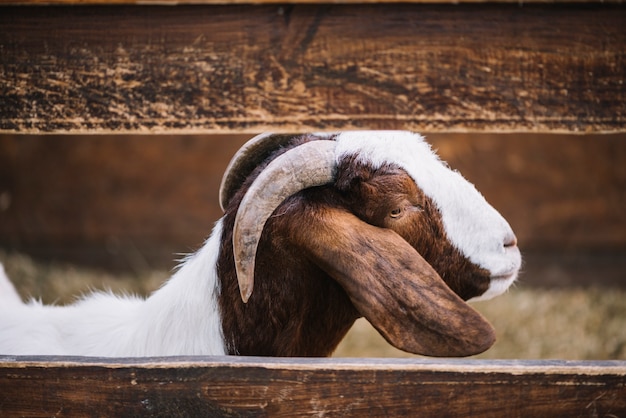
(247, 68)
(234, 386)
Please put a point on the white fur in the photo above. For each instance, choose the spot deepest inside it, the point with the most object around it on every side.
(180, 318)
(472, 225)
(8, 294)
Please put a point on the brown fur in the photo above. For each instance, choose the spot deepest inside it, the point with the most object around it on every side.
(373, 194)
(297, 308)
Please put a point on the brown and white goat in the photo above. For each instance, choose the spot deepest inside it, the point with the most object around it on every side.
(318, 230)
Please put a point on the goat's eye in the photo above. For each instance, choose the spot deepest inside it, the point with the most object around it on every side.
(396, 212)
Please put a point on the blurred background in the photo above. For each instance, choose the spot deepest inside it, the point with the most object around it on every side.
(78, 213)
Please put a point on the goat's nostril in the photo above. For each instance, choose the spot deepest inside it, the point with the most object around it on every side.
(510, 241)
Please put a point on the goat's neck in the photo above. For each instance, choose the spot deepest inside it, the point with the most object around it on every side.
(295, 309)
(183, 316)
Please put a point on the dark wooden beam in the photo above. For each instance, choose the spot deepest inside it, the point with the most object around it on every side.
(234, 387)
(248, 68)
(281, 2)
(67, 198)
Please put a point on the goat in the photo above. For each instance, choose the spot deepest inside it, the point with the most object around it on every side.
(319, 230)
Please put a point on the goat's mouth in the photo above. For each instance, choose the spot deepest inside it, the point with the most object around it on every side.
(498, 284)
(504, 277)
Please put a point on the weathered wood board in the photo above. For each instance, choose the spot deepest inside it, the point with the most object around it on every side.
(233, 387)
(282, 2)
(249, 68)
(135, 202)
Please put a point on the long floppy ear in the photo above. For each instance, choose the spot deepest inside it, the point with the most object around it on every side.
(392, 286)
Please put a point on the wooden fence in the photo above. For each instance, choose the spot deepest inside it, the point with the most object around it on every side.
(207, 67)
(215, 67)
(234, 387)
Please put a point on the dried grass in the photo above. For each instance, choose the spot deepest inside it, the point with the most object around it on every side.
(531, 323)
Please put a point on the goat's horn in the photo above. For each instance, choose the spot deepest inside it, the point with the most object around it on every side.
(246, 160)
(308, 165)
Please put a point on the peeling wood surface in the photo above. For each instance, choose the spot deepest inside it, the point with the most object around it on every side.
(488, 67)
(305, 387)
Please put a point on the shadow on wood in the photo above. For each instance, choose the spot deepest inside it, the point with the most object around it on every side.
(135, 202)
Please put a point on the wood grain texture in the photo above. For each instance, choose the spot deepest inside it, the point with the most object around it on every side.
(491, 67)
(234, 387)
(282, 2)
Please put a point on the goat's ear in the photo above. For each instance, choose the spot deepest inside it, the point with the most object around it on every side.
(392, 286)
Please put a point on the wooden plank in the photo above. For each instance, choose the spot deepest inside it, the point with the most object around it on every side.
(222, 2)
(97, 208)
(314, 387)
(309, 67)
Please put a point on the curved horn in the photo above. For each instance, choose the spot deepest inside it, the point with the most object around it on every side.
(246, 159)
(308, 165)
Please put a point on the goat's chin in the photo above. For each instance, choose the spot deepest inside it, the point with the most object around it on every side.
(497, 286)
